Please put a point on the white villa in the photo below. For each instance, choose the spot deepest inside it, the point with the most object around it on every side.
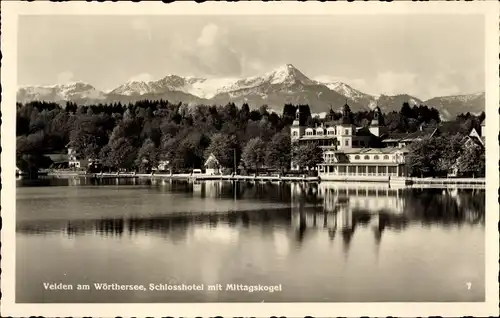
(75, 160)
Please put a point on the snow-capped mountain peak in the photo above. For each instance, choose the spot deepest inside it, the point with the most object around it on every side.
(284, 84)
(60, 92)
(287, 74)
(349, 92)
(342, 88)
(132, 87)
(68, 85)
(463, 97)
(75, 86)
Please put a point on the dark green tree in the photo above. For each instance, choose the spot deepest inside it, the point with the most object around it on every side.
(254, 154)
(472, 161)
(279, 151)
(424, 157)
(122, 153)
(450, 149)
(307, 155)
(29, 154)
(147, 156)
(225, 148)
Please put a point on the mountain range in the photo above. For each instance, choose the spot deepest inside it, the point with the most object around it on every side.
(285, 84)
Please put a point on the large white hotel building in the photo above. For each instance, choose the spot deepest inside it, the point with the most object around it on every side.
(351, 152)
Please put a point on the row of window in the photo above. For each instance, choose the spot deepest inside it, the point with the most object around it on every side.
(397, 144)
(310, 132)
(367, 157)
(358, 157)
(363, 169)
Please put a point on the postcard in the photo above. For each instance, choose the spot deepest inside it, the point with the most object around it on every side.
(256, 159)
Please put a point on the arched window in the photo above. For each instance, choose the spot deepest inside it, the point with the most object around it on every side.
(367, 157)
(386, 157)
(356, 157)
(376, 157)
(295, 133)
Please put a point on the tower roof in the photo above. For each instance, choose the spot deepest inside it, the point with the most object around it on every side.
(346, 115)
(332, 112)
(378, 119)
(346, 108)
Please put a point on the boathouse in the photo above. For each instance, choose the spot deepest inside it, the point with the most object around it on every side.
(364, 162)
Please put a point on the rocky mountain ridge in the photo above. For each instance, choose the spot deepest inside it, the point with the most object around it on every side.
(285, 84)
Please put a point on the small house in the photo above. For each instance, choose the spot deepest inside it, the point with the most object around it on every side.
(163, 165)
(212, 165)
(59, 160)
(76, 161)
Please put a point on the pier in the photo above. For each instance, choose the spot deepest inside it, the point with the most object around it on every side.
(201, 177)
(440, 182)
(393, 181)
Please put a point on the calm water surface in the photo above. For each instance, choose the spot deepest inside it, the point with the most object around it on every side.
(327, 242)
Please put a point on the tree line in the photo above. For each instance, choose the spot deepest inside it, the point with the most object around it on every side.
(137, 136)
(443, 154)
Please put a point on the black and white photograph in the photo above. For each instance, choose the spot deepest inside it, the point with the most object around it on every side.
(226, 154)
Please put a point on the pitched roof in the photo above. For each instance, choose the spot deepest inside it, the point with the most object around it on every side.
(57, 157)
(363, 131)
(420, 134)
(211, 158)
(331, 123)
(449, 128)
(474, 133)
(477, 140)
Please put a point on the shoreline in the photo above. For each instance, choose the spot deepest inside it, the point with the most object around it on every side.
(395, 181)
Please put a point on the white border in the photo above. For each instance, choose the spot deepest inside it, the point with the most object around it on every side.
(10, 11)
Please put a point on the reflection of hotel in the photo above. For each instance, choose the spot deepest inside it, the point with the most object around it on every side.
(342, 201)
(372, 197)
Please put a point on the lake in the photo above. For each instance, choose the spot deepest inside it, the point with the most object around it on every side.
(326, 242)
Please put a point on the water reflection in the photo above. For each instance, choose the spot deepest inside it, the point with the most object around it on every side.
(267, 191)
(343, 207)
(336, 208)
(159, 225)
(323, 242)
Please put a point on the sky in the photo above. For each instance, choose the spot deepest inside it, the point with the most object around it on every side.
(422, 55)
